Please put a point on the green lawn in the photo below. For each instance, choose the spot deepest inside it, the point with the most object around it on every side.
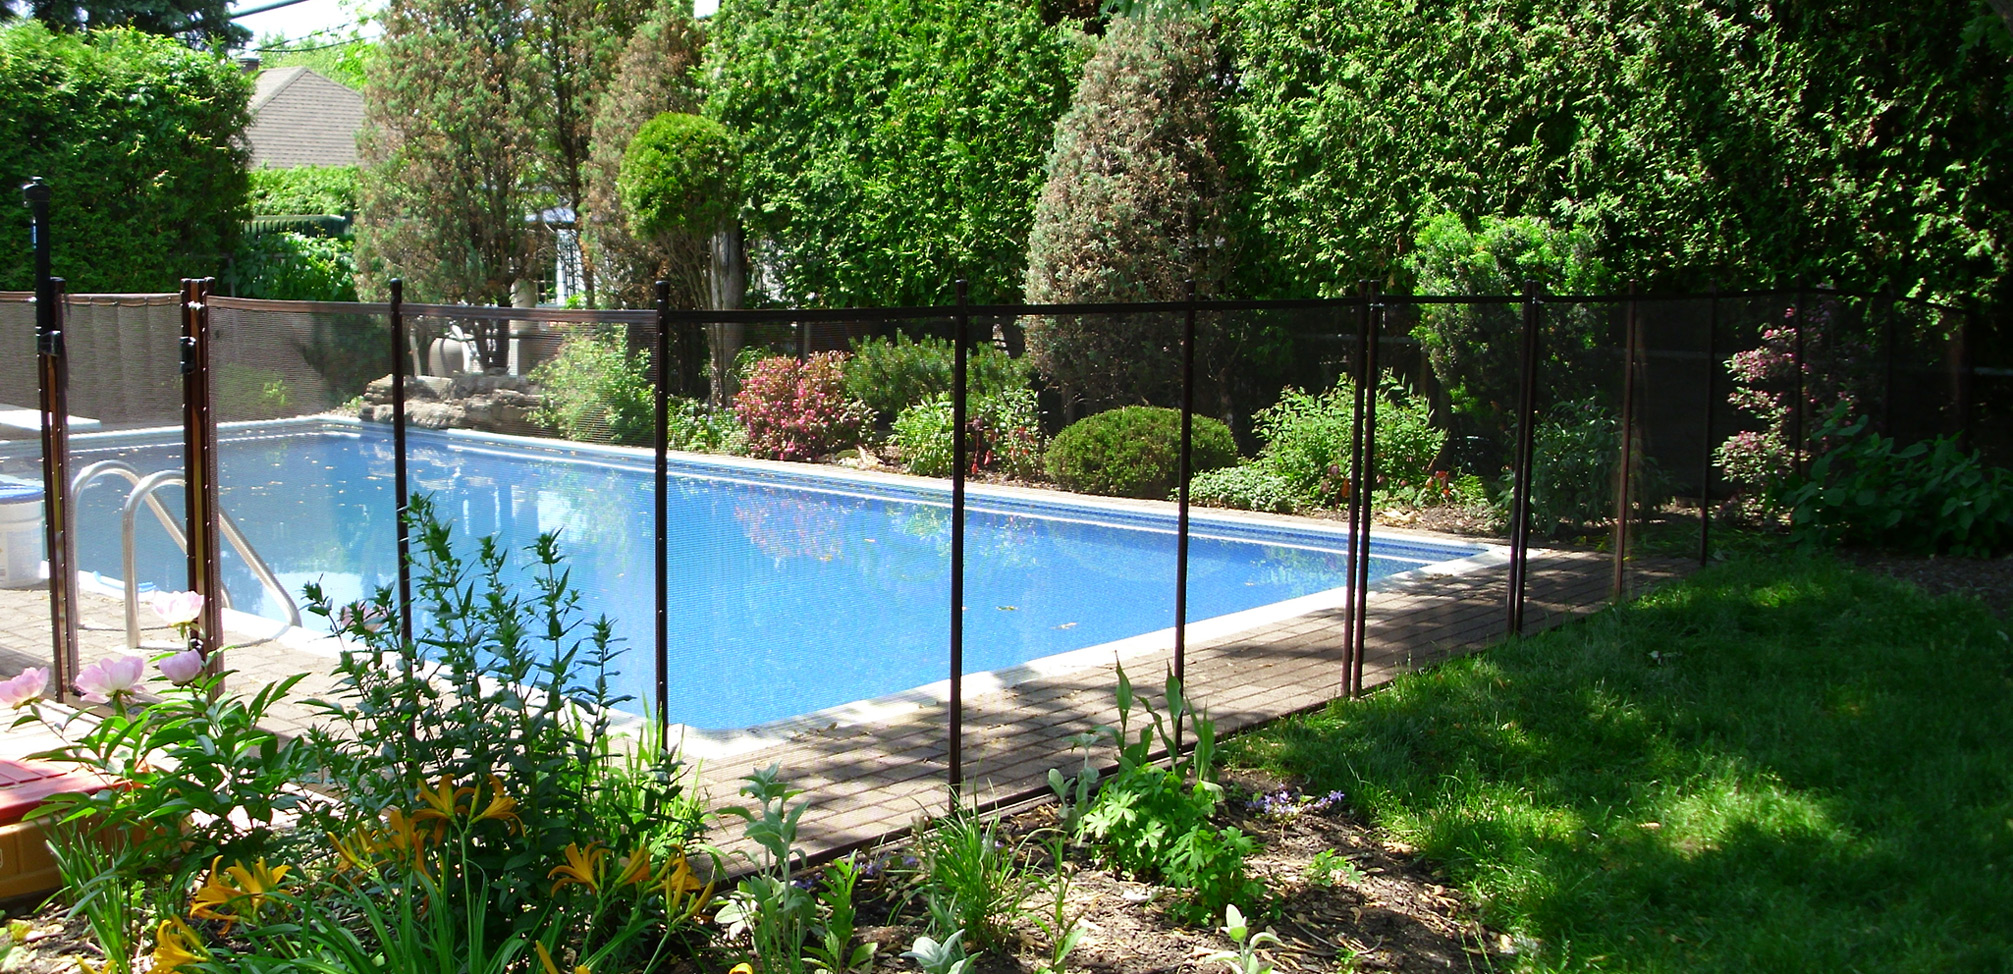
(1778, 765)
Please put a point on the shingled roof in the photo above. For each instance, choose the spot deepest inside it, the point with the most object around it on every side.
(300, 118)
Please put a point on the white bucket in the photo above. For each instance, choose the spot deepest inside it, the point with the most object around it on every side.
(20, 534)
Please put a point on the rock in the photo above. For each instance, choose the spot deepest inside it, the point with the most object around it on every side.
(489, 402)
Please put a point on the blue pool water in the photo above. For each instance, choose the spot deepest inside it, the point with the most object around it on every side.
(790, 592)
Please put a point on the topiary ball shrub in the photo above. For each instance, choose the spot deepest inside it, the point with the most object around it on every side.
(1135, 452)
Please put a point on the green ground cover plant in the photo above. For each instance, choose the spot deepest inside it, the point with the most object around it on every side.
(1778, 764)
(1928, 497)
(893, 374)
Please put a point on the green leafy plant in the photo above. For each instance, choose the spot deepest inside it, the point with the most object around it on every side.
(971, 882)
(893, 375)
(298, 190)
(1003, 433)
(771, 911)
(289, 266)
(1575, 464)
(1135, 451)
(834, 951)
(1330, 868)
(1064, 931)
(1307, 440)
(1246, 487)
(1154, 821)
(1929, 497)
(1244, 959)
(506, 683)
(946, 956)
(679, 176)
(596, 390)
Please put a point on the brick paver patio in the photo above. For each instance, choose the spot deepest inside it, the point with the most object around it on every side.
(869, 780)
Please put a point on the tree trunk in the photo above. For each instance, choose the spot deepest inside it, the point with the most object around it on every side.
(729, 277)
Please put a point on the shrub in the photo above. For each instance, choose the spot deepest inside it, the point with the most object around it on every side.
(1575, 463)
(890, 375)
(596, 391)
(890, 147)
(678, 176)
(1246, 487)
(1137, 203)
(799, 411)
(1925, 498)
(1474, 349)
(137, 136)
(304, 189)
(1135, 451)
(1004, 435)
(1307, 440)
(287, 266)
(1760, 463)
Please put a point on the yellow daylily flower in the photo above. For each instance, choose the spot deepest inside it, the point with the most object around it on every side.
(634, 868)
(218, 897)
(582, 866)
(742, 968)
(678, 880)
(403, 839)
(358, 851)
(545, 959)
(175, 945)
(501, 807)
(442, 802)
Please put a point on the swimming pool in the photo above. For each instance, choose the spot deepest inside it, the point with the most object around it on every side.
(793, 589)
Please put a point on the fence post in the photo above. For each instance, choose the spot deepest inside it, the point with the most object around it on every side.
(401, 490)
(1372, 337)
(1964, 366)
(1627, 469)
(53, 379)
(1705, 458)
(1527, 419)
(1181, 511)
(1352, 593)
(958, 418)
(661, 512)
(199, 462)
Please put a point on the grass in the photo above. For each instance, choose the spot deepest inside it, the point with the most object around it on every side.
(1777, 765)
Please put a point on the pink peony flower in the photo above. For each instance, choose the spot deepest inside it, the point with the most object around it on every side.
(24, 689)
(178, 608)
(182, 667)
(110, 679)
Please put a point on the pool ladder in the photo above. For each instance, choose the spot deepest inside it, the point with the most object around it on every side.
(143, 487)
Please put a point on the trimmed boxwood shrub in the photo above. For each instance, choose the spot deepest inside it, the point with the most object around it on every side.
(1135, 451)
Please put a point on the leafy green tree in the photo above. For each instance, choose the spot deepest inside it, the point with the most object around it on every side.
(1135, 206)
(205, 21)
(1776, 142)
(677, 185)
(890, 146)
(343, 60)
(135, 135)
(654, 75)
(449, 148)
(577, 44)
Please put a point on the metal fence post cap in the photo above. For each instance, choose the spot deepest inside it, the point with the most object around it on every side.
(36, 191)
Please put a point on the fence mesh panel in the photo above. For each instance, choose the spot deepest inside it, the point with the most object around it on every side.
(25, 635)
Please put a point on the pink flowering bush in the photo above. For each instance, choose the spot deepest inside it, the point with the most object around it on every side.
(800, 410)
(1760, 462)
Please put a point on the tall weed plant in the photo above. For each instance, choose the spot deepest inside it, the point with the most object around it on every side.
(1307, 437)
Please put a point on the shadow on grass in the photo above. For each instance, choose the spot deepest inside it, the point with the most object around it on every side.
(1777, 765)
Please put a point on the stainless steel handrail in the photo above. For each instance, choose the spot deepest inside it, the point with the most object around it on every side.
(142, 492)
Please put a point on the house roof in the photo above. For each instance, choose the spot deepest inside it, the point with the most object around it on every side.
(300, 118)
